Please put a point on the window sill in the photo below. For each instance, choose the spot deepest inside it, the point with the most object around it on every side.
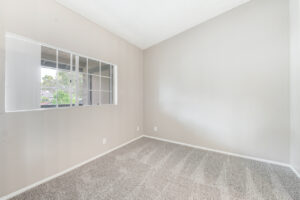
(60, 108)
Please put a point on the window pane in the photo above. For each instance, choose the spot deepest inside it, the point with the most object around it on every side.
(73, 81)
(73, 88)
(48, 57)
(82, 81)
(105, 84)
(105, 69)
(83, 97)
(73, 62)
(63, 79)
(94, 98)
(73, 98)
(82, 65)
(63, 98)
(93, 67)
(48, 77)
(106, 97)
(48, 99)
(94, 82)
(64, 60)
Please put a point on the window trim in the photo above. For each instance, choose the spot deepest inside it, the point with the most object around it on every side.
(78, 55)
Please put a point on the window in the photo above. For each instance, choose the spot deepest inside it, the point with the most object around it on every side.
(87, 82)
(58, 78)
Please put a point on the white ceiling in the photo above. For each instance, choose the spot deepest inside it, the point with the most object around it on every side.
(147, 22)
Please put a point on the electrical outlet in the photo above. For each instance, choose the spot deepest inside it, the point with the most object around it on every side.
(138, 128)
(104, 141)
(155, 128)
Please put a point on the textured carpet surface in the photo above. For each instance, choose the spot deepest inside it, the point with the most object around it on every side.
(149, 169)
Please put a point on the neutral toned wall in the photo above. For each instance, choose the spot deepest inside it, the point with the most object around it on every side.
(295, 83)
(225, 83)
(38, 144)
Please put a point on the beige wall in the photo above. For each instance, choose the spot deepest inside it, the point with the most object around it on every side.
(295, 83)
(38, 144)
(224, 84)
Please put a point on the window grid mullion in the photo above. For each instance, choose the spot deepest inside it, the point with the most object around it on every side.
(110, 83)
(88, 82)
(100, 82)
(56, 80)
(70, 81)
(76, 77)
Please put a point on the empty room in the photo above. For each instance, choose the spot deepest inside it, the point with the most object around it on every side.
(149, 100)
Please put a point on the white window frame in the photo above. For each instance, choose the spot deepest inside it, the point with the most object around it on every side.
(114, 77)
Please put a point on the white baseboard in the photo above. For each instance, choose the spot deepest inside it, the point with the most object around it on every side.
(295, 171)
(64, 172)
(219, 151)
(156, 138)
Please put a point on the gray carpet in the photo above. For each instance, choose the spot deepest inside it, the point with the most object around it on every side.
(149, 169)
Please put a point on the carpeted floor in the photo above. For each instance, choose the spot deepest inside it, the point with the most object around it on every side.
(150, 169)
